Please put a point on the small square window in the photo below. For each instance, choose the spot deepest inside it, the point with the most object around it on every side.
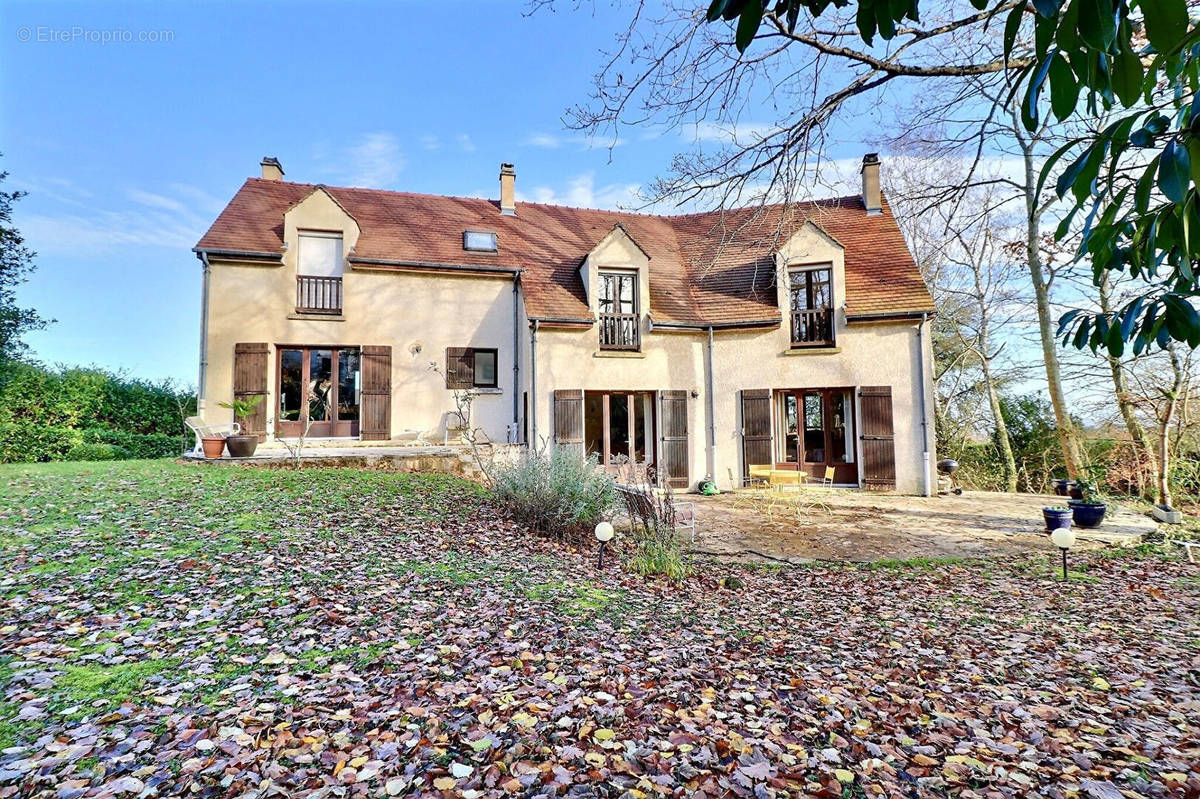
(479, 241)
(485, 368)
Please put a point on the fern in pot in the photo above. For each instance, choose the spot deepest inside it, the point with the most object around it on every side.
(243, 444)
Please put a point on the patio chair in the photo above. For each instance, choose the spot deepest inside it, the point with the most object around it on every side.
(637, 501)
(826, 480)
(203, 430)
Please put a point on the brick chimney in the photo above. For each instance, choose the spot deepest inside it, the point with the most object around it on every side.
(271, 168)
(508, 190)
(871, 196)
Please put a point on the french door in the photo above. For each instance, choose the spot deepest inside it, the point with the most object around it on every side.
(319, 390)
(817, 432)
(618, 427)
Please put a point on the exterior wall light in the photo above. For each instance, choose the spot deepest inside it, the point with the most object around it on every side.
(1064, 539)
(604, 534)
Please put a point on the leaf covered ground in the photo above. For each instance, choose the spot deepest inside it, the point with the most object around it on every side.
(169, 629)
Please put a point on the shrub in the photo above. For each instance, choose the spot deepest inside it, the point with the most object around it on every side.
(651, 511)
(555, 492)
(96, 452)
(138, 445)
(29, 442)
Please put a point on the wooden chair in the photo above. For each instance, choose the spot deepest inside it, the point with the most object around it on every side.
(826, 481)
(203, 430)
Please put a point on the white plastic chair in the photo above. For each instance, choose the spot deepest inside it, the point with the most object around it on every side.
(203, 430)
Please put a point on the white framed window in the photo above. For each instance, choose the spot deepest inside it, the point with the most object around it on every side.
(320, 254)
(479, 241)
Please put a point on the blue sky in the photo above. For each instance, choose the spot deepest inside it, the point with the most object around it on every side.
(129, 149)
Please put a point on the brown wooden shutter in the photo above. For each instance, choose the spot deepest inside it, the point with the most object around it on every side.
(460, 367)
(568, 419)
(249, 381)
(756, 429)
(376, 424)
(879, 447)
(673, 427)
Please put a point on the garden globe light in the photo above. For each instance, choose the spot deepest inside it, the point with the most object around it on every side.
(604, 534)
(1064, 539)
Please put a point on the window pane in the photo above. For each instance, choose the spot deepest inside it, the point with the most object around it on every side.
(791, 438)
(618, 425)
(838, 407)
(593, 424)
(814, 428)
(485, 368)
(640, 417)
(821, 295)
(479, 240)
(291, 379)
(320, 381)
(606, 294)
(320, 255)
(348, 385)
(626, 298)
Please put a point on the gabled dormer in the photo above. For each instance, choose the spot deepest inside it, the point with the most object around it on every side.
(319, 235)
(811, 285)
(616, 280)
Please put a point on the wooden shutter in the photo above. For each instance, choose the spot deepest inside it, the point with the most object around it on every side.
(879, 447)
(673, 427)
(756, 429)
(376, 410)
(460, 367)
(568, 419)
(249, 381)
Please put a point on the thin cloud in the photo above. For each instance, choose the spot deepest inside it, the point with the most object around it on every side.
(582, 192)
(375, 162)
(464, 141)
(431, 142)
(543, 140)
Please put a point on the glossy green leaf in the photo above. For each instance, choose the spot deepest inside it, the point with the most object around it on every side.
(1063, 89)
(1097, 23)
(1174, 172)
(748, 24)
(1166, 22)
(1127, 74)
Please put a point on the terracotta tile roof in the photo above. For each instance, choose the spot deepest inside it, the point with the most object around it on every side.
(712, 267)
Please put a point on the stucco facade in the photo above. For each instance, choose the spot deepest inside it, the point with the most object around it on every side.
(692, 376)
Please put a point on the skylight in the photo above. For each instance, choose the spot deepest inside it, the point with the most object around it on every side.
(479, 241)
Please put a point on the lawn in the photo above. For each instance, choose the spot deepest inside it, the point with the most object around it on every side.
(171, 629)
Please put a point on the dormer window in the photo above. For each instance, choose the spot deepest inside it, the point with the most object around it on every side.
(810, 291)
(617, 301)
(479, 241)
(319, 273)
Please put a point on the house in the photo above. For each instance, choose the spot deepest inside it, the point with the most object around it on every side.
(704, 344)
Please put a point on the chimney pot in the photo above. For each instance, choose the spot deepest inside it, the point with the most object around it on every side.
(871, 196)
(508, 190)
(271, 168)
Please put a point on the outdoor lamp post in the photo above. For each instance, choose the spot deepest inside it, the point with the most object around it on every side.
(1064, 539)
(604, 534)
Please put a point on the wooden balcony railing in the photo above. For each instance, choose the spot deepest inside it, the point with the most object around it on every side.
(812, 328)
(318, 294)
(620, 331)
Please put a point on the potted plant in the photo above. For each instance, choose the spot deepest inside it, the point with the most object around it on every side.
(213, 446)
(242, 445)
(1056, 517)
(1063, 486)
(1089, 509)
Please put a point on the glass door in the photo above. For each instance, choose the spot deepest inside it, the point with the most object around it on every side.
(816, 431)
(319, 392)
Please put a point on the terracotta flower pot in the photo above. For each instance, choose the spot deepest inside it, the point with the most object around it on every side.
(213, 447)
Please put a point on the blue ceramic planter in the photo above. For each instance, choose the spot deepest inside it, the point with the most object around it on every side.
(1056, 519)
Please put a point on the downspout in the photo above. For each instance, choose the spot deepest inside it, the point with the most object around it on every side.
(924, 410)
(712, 415)
(203, 377)
(514, 432)
(533, 395)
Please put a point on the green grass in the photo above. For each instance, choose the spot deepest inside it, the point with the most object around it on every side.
(101, 688)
